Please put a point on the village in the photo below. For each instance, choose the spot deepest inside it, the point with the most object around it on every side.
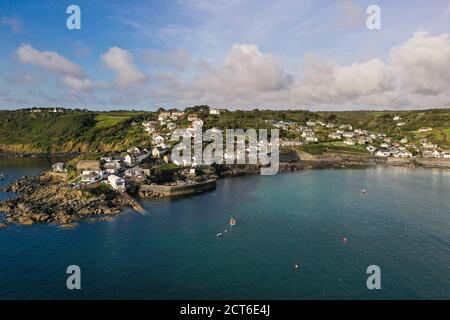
(153, 165)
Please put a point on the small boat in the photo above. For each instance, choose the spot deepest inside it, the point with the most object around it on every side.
(232, 222)
(2, 176)
(363, 190)
(219, 235)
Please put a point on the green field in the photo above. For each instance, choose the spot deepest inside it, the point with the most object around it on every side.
(108, 121)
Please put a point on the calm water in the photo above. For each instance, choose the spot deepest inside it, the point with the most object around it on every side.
(402, 224)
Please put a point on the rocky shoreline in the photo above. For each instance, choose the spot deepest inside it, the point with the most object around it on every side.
(48, 199)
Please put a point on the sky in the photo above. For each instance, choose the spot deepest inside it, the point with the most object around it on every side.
(236, 54)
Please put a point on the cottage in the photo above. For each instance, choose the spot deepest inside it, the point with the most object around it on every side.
(334, 135)
(403, 154)
(362, 140)
(163, 115)
(59, 167)
(383, 153)
(150, 126)
(157, 140)
(135, 172)
(134, 150)
(171, 125)
(130, 159)
(116, 182)
(360, 132)
(445, 154)
(176, 115)
(112, 167)
(306, 134)
(348, 134)
(349, 142)
(90, 177)
(311, 139)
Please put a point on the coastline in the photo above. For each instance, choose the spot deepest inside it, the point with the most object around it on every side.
(47, 199)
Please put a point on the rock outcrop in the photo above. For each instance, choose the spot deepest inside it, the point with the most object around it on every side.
(48, 199)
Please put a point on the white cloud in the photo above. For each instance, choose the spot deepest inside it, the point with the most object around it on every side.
(422, 64)
(415, 76)
(245, 71)
(73, 76)
(77, 84)
(121, 62)
(48, 60)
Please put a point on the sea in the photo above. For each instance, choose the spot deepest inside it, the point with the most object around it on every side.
(310, 234)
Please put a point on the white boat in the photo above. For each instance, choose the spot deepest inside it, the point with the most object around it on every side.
(232, 222)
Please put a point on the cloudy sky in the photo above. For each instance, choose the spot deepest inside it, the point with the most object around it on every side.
(316, 55)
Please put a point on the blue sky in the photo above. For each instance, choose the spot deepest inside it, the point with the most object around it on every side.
(237, 54)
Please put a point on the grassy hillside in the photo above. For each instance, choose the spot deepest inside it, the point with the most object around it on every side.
(84, 131)
(24, 131)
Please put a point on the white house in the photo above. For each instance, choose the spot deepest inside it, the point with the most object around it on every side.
(130, 159)
(90, 177)
(311, 139)
(163, 115)
(349, 142)
(311, 123)
(348, 134)
(150, 126)
(59, 167)
(116, 182)
(404, 140)
(397, 118)
(425, 129)
(135, 172)
(445, 154)
(215, 112)
(334, 135)
(112, 167)
(403, 154)
(382, 153)
(158, 140)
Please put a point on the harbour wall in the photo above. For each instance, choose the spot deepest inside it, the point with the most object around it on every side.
(164, 191)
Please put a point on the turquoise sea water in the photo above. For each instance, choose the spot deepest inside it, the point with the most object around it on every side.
(402, 224)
